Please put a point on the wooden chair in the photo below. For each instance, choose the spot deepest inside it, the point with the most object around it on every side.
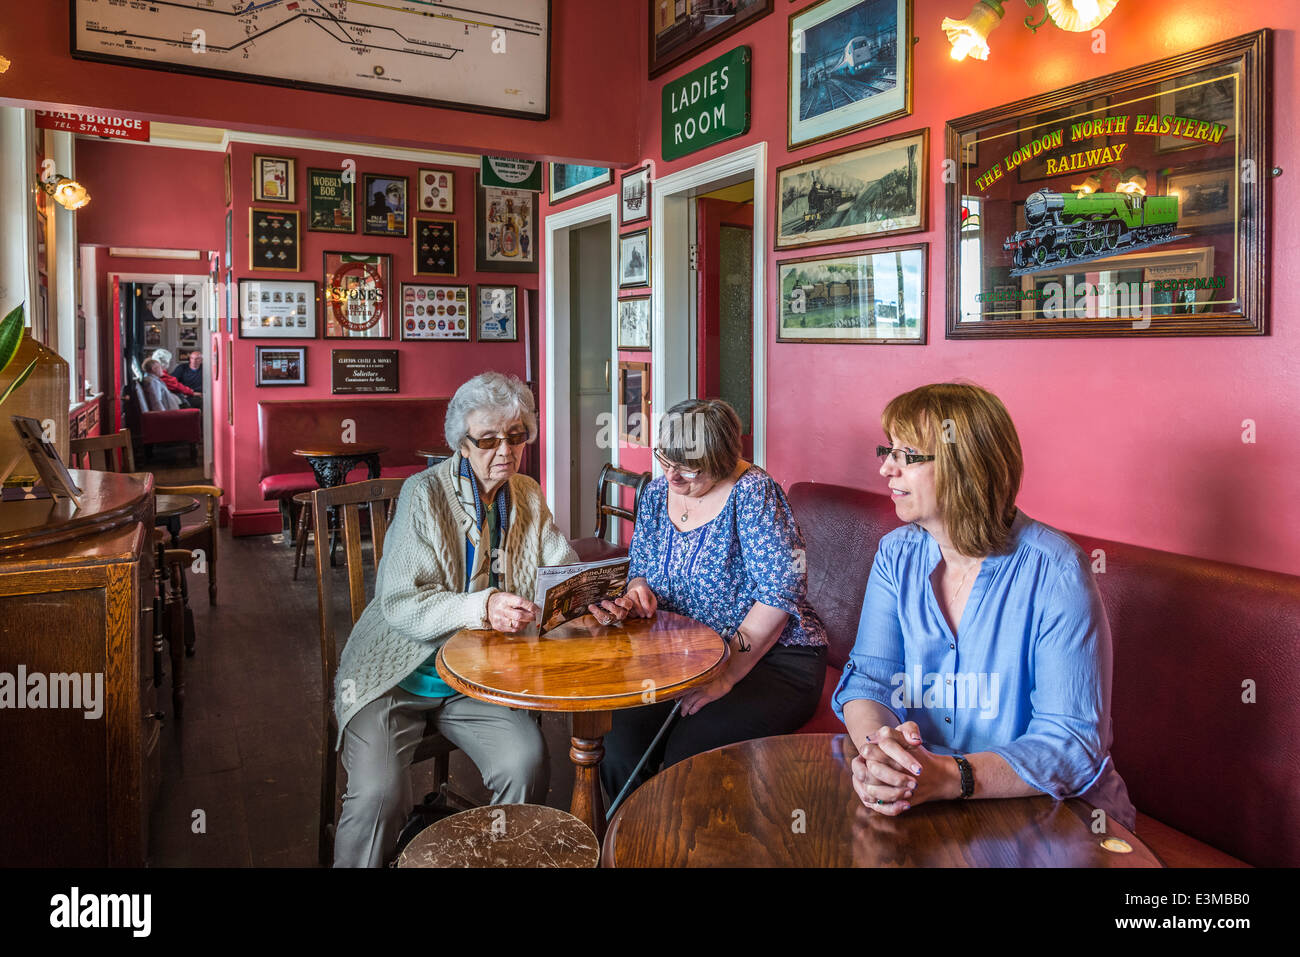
(99, 452)
(380, 497)
(173, 623)
(596, 548)
(203, 535)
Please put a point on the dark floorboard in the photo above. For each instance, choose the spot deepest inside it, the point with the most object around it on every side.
(247, 753)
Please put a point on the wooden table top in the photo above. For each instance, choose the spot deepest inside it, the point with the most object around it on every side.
(429, 452)
(504, 835)
(170, 506)
(573, 668)
(341, 449)
(788, 801)
(109, 500)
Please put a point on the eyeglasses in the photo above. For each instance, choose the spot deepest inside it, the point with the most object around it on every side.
(493, 441)
(900, 457)
(686, 475)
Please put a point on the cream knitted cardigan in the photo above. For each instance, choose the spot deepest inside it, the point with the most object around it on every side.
(420, 599)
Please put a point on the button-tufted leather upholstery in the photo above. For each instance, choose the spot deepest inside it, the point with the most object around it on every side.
(1187, 633)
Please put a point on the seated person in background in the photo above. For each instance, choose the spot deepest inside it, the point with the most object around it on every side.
(715, 540)
(164, 358)
(190, 372)
(156, 395)
(982, 666)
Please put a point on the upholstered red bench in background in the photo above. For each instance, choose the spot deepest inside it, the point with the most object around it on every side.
(1211, 775)
(404, 425)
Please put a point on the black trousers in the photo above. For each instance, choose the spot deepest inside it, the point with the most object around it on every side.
(778, 696)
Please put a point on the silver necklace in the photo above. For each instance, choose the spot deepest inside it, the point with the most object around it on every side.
(962, 584)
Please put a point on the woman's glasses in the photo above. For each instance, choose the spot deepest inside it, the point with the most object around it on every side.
(686, 475)
(900, 457)
(492, 441)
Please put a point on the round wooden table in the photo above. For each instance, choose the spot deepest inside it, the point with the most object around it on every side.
(433, 456)
(788, 801)
(168, 510)
(587, 672)
(332, 463)
(504, 835)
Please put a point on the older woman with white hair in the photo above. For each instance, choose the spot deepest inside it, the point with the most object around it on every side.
(463, 552)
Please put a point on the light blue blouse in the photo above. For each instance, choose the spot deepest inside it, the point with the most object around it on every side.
(1027, 676)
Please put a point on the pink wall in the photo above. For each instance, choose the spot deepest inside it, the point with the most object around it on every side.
(1136, 440)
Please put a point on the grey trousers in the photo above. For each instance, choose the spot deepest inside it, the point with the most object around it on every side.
(379, 742)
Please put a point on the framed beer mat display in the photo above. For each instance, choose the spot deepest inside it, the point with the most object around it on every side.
(876, 189)
(281, 365)
(433, 244)
(356, 296)
(385, 205)
(498, 314)
(271, 309)
(874, 296)
(273, 239)
(273, 179)
(1109, 241)
(505, 229)
(437, 191)
(330, 202)
(435, 312)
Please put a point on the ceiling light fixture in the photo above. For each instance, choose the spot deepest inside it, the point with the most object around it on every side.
(970, 37)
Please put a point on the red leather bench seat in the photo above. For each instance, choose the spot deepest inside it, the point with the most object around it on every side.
(1215, 778)
(289, 484)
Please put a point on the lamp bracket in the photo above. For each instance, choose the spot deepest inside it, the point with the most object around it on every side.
(1047, 15)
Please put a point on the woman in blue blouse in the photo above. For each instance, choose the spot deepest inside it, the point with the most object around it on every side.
(715, 540)
(982, 667)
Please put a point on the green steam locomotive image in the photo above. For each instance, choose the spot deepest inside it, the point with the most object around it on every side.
(1064, 228)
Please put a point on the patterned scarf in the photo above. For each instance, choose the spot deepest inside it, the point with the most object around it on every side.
(478, 561)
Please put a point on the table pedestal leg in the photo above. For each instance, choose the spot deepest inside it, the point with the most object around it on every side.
(586, 748)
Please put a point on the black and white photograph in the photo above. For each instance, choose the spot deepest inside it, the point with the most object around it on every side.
(278, 365)
(1209, 95)
(634, 259)
(634, 323)
(568, 179)
(679, 29)
(270, 309)
(874, 296)
(634, 196)
(498, 318)
(877, 189)
(848, 68)
(1205, 197)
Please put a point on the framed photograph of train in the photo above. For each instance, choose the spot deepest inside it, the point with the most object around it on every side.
(680, 29)
(1102, 237)
(634, 196)
(876, 295)
(876, 189)
(850, 66)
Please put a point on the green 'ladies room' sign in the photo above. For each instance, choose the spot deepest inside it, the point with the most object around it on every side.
(707, 105)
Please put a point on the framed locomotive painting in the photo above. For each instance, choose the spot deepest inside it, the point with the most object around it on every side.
(1074, 222)
(875, 295)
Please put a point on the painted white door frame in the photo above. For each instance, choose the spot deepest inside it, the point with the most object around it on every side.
(674, 288)
(558, 324)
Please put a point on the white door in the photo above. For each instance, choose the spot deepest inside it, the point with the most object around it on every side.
(590, 351)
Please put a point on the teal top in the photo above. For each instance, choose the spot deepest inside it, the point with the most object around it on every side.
(424, 680)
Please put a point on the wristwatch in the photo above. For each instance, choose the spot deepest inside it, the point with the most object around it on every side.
(967, 776)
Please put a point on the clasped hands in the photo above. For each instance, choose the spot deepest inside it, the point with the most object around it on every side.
(510, 613)
(894, 771)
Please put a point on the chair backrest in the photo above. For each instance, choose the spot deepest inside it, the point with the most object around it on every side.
(612, 475)
(100, 452)
(211, 493)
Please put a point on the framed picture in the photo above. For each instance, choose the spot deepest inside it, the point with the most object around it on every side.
(153, 332)
(679, 30)
(634, 403)
(634, 323)
(273, 239)
(436, 190)
(270, 309)
(505, 229)
(634, 259)
(850, 66)
(230, 239)
(330, 206)
(435, 312)
(634, 196)
(1097, 242)
(273, 179)
(433, 245)
(230, 301)
(363, 371)
(230, 381)
(568, 180)
(187, 337)
(877, 189)
(877, 295)
(356, 295)
(229, 190)
(281, 365)
(498, 314)
(385, 198)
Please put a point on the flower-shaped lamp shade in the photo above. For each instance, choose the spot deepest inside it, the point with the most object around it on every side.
(970, 37)
(1079, 16)
(70, 194)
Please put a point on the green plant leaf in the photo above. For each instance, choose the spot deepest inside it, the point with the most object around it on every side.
(11, 335)
(22, 377)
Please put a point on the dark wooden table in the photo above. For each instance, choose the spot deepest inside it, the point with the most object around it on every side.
(331, 465)
(587, 672)
(433, 456)
(168, 510)
(504, 835)
(788, 801)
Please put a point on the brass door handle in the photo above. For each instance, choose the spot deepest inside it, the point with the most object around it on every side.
(607, 374)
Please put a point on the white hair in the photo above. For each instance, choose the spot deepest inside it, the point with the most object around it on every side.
(497, 397)
(163, 356)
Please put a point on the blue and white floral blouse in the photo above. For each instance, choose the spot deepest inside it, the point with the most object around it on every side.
(752, 551)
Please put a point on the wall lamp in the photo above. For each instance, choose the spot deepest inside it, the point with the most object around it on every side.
(68, 193)
(970, 37)
(1131, 180)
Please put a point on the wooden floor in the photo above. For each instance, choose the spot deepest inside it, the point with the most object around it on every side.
(247, 753)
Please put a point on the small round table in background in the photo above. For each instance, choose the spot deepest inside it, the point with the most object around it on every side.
(331, 465)
(433, 456)
(168, 510)
(504, 835)
(788, 801)
(588, 672)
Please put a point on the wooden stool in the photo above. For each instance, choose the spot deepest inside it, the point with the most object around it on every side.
(504, 835)
(304, 524)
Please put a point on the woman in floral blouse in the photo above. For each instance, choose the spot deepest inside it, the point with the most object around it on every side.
(715, 540)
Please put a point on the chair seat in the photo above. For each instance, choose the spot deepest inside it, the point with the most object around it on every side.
(597, 549)
(504, 835)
